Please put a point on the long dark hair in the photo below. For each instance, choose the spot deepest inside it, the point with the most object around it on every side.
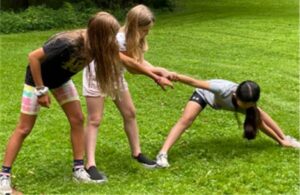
(249, 91)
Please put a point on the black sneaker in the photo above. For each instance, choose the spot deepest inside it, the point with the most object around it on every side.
(141, 158)
(95, 175)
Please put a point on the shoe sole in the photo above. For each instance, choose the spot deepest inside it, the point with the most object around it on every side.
(162, 166)
(99, 181)
(90, 181)
(149, 166)
(80, 181)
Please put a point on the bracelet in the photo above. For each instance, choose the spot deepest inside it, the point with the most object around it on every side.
(41, 91)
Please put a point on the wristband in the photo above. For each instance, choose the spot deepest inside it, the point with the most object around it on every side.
(41, 91)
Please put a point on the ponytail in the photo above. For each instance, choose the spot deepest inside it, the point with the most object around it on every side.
(248, 91)
(251, 123)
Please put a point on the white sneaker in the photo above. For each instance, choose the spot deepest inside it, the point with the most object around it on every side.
(5, 185)
(162, 160)
(81, 176)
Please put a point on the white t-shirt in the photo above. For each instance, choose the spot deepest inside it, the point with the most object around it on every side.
(121, 38)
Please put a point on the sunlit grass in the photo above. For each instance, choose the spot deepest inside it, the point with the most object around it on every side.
(234, 40)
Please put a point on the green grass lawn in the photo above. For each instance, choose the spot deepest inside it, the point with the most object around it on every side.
(229, 39)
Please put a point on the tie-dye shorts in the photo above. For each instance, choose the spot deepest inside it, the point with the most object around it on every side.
(63, 94)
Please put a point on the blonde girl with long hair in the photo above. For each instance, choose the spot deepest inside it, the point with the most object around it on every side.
(132, 43)
(50, 70)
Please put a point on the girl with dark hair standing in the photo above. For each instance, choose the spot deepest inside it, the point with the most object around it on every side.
(51, 68)
(226, 95)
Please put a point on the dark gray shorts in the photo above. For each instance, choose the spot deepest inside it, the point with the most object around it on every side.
(199, 99)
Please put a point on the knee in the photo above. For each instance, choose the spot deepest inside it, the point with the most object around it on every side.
(129, 114)
(94, 120)
(23, 130)
(77, 120)
(186, 121)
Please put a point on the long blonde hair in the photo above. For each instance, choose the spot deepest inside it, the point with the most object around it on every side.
(102, 47)
(137, 17)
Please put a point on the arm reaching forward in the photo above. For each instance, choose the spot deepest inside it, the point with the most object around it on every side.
(132, 64)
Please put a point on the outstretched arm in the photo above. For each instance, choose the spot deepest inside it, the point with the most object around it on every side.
(131, 64)
(270, 128)
(192, 82)
(156, 70)
(160, 71)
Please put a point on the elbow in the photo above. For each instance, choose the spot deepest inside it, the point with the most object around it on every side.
(31, 58)
(262, 125)
(124, 59)
(36, 56)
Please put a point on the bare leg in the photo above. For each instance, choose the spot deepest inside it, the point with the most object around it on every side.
(76, 119)
(95, 107)
(190, 113)
(23, 129)
(127, 109)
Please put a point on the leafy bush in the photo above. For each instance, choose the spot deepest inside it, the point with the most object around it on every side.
(164, 4)
(42, 18)
(128, 3)
(68, 16)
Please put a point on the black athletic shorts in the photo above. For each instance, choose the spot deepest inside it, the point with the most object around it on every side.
(197, 98)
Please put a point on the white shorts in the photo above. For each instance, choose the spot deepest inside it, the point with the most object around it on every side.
(89, 82)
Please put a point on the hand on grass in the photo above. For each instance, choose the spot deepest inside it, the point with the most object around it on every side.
(290, 143)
